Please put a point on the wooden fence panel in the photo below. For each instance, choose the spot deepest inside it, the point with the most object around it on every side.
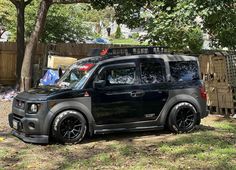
(7, 68)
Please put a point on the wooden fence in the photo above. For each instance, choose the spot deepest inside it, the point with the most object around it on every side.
(8, 57)
(7, 63)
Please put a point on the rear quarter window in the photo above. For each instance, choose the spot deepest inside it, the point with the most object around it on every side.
(184, 70)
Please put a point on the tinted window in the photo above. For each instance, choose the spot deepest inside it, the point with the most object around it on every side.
(184, 70)
(118, 76)
(152, 72)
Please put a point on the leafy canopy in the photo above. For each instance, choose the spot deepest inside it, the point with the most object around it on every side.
(173, 22)
(219, 20)
(64, 23)
(7, 15)
(168, 22)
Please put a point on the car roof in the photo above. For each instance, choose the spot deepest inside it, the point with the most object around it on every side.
(165, 57)
(126, 53)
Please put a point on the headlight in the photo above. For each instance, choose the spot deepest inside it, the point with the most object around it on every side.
(33, 108)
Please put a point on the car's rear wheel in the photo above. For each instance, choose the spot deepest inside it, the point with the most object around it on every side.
(69, 127)
(182, 118)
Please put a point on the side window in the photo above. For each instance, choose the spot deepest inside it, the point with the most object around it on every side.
(152, 72)
(118, 76)
(184, 70)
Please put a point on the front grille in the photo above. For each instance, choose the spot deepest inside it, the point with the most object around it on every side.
(17, 117)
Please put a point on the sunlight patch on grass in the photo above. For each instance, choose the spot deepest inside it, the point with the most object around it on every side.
(127, 150)
(225, 126)
(3, 152)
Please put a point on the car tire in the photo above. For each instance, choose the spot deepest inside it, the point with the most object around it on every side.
(69, 127)
(182, 118)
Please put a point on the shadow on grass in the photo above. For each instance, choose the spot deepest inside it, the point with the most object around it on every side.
(203, 149)
(130, 136)
(118, 136)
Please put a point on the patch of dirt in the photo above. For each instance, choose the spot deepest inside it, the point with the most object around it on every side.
(5, 109)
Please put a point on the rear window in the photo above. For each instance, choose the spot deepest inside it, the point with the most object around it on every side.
(184, 70)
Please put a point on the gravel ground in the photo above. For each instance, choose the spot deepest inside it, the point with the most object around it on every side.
(5, 109)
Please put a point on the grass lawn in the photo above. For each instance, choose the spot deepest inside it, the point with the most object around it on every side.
(212, 146)
(128, 41)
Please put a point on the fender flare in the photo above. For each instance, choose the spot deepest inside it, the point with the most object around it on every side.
(68, 105)
(175, 100)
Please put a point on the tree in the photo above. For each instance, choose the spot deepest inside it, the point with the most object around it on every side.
(7, 15)
(96, 17)
(20, 41)
(118, 32)
(173, 25)
(168, 22)
(195, 40)
(26, 71)
(219, 21)
(65, 24)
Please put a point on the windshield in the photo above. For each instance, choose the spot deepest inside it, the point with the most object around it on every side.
(76, 75)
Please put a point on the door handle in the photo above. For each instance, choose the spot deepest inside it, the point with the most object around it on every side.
(137, 93)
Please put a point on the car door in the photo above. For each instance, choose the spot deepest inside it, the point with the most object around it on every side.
(154, 86)
(120, 100)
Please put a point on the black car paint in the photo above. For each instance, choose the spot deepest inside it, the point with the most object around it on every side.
(155, 99)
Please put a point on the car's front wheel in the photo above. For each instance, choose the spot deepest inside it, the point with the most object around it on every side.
(69, 127)
(182, 118)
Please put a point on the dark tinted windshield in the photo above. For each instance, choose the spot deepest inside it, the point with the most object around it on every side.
(76, 75)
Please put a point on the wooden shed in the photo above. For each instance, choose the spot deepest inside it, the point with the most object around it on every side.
(218, 70)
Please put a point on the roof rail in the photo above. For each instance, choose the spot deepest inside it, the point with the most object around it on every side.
(125, 51)
(136, 50)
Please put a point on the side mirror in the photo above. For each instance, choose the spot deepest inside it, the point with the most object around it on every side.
(99, 84)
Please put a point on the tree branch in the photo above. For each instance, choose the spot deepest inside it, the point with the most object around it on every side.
(69, 1)
(28, 2)
(14, 2)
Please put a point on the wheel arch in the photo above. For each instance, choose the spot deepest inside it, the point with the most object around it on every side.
(63, 106)
(176, 100)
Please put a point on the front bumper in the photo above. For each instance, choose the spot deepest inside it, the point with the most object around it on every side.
(39, 139)
(23, 130)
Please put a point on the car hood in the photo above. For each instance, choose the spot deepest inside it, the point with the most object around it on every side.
(42, 93)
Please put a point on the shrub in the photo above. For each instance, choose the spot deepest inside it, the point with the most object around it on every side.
(118, 32)
(195, 40)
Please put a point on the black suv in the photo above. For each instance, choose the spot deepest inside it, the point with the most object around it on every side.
(124, 89)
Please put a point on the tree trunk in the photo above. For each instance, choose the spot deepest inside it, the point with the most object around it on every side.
(26, 70)
(20, 38)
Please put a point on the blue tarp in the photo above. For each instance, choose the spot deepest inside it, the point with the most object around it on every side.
(50, 77)
(102, 41)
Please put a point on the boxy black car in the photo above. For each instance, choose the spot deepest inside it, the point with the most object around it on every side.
(125, 89)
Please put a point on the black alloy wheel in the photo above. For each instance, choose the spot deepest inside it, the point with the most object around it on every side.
(69, 127)
(183, 117)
